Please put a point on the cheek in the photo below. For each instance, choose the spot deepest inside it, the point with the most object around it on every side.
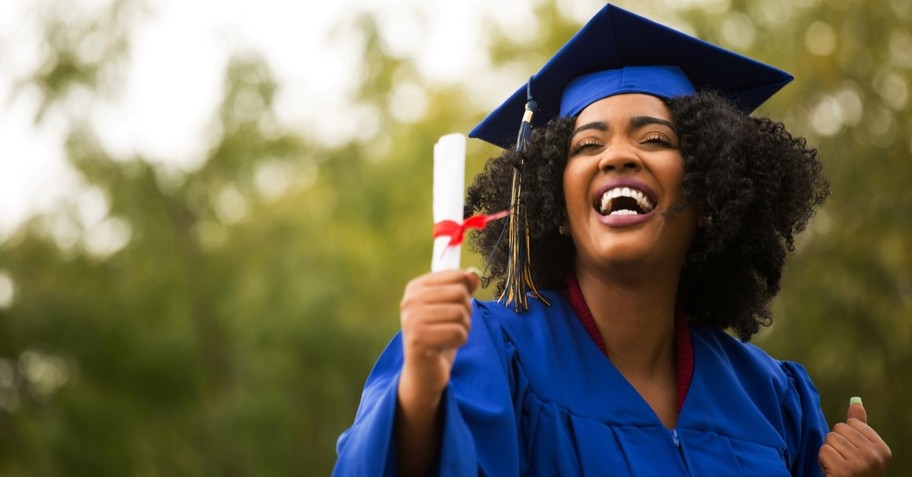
(577, 176)
(672, 174)
(575, 189)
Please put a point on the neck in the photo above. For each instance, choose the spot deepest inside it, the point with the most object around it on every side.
(635, 317)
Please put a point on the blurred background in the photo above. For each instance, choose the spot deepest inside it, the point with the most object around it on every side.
(208, 210)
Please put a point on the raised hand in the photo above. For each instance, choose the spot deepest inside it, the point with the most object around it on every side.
(436, 317)
(853, 448)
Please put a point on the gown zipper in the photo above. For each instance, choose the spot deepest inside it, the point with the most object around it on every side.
(676, 440)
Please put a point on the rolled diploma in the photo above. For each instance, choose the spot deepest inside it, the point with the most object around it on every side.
(449, 196)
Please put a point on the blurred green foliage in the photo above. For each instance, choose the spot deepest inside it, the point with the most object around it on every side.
(228, 325)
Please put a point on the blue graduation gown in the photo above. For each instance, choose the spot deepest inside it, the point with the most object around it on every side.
(532, 394)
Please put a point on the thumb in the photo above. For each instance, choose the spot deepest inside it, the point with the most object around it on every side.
(857, 410)
(473, 279)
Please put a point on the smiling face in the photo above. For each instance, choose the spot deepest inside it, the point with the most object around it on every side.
(623, 175)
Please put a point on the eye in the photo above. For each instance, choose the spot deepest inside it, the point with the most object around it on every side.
(585, 145)
(658, 139)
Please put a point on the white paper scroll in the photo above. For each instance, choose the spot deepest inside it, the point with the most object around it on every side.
(449, 196)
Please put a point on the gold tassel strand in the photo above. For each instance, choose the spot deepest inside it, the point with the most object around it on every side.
(519, 271)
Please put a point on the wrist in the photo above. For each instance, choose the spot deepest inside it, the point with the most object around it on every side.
(413, 396)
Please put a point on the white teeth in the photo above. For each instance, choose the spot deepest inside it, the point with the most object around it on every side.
(623, 212)
(634, 194)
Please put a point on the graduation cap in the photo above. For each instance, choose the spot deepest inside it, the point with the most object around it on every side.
(616, 52)
(621, 52)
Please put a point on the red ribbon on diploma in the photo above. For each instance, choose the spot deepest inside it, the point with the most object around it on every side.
(456, 231)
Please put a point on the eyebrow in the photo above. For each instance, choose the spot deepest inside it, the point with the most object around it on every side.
(598, 125)
(640, 121)
(636, 122)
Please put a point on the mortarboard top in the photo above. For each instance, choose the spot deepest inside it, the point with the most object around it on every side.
(629, 54)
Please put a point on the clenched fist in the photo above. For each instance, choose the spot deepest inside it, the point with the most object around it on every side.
(436, 313)
(853, 448)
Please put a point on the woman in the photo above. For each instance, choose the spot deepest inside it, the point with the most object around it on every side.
(659, 215)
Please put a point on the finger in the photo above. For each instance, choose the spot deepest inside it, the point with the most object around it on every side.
(454, 293)
(451, 294)
(840, 443)
(417, 285)
(866, 453)
(853, 435)
(856, 410)
(437, 338)
(473, 278)
(829, 458)
(435, 313)
(867, 431)
(468, 280)
(448, 295)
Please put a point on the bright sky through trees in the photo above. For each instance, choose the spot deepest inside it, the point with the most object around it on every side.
(176, 63)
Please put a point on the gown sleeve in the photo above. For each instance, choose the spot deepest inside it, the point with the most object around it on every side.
(479, 423)
(806, 425)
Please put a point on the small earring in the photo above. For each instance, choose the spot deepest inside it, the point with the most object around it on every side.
(562, 229)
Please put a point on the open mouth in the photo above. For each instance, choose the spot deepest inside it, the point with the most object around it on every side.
(624, 201)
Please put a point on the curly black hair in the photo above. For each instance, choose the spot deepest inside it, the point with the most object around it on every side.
(754, 184)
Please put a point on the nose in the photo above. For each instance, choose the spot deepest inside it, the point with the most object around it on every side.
(620, 157)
